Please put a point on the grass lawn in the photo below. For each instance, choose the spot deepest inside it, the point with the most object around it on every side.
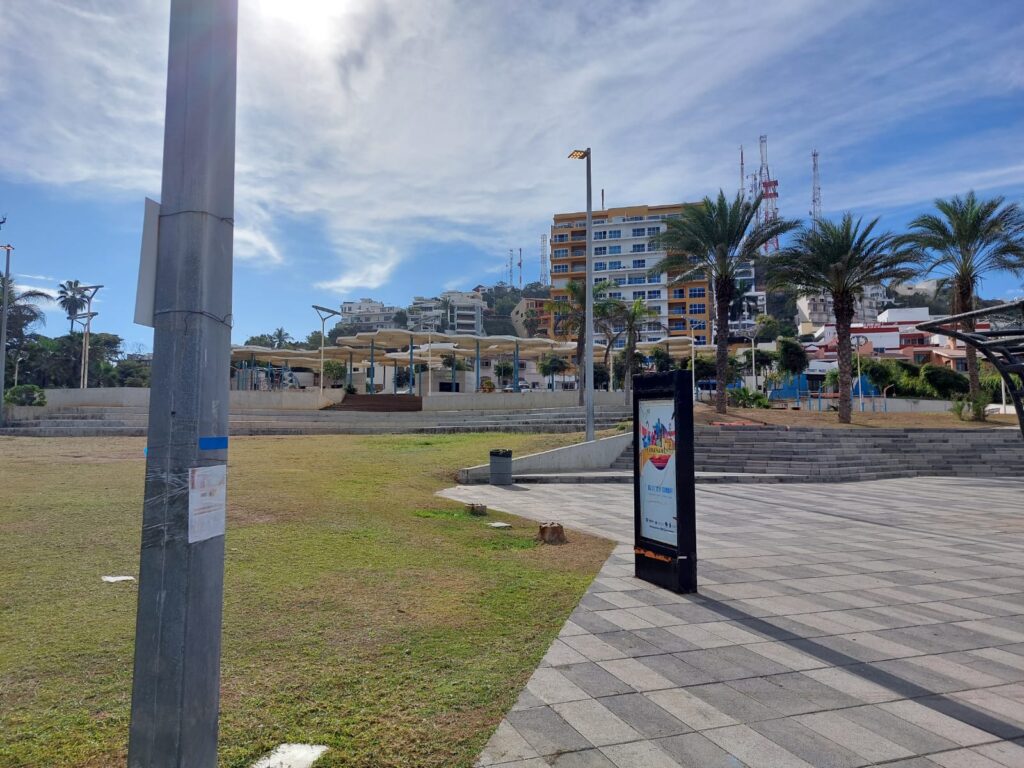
(361, 611)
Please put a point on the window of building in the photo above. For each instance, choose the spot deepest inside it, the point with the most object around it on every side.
(700, 339)
(961, 365)
(620, 281)
(639, 294)
(637, 280)
(558, 268)
(577, 251)
(559, 252)
(699, 325)
(614, 294)
(652, 231)
(639, 232)
(654, 278)
(677, 325)
(600, 235)
(618, 328)
(634, 218)
(600, 266)
(600, 250)
(614, 234)
(678, 293)
(560, 239)
(638, 248)
(654, 294)
(561, 298)
(698, 309)
(614, 249)
(639, 263)
(698, 293)
(614, 265)
(620, 343)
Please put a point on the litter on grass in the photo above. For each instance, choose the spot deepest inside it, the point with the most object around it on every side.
(291, 756)
(115, 579)
(499, 525)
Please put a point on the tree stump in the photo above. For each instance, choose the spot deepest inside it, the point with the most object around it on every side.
(552, 533)
(477, 510)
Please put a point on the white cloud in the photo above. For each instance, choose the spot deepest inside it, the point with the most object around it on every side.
(380, 125)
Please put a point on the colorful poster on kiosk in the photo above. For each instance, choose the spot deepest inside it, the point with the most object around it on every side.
(657, 452)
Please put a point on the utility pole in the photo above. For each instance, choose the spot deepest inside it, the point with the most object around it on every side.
(588, 303)
(87, 292)
(176, 685)
(3, 328)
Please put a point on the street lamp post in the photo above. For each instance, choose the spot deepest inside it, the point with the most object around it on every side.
(3, 330)
(588, 299)
(87, 292)
(858, 342)
(325, 314)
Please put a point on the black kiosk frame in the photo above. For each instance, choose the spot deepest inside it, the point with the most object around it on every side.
(661, 558)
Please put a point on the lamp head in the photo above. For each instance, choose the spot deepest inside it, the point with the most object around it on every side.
(579, 154)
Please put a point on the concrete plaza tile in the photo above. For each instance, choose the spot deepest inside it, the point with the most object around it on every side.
(635, 674)
(950, 728)
(964, 758)
(778, 698)
(664, 641)
(968, 676)
(854, 737)
(595, 722)
(552, 687)
(640, 754)
(594, 680)
(587, 758)
(559, 653)
(623, 599)
(808, 745)
(1000, 655)
(852, 684)
(733, 702)
(754, 749)
(593, 647)
(786, 655)
(625, 618)
(701, 638)
(646, 717)
(679, 672)
(690, 709)
(897, 730)
(545, 730)
(652, 616)
(630, 643)
(692, 750)
(506, 745)
(1007, 753)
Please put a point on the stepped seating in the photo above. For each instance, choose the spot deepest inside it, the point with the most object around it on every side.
(833, 455)
(379, 403)
(87, 421)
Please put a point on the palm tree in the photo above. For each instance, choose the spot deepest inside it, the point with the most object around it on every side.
(713, 239)
(570, 317)
(551, 366)
(632, 317)
(281, 338)
(71, 300)
(22, 310)
(840, 260)
(503, 370)
(967, 239)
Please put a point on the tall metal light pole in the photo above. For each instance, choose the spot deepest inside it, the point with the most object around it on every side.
(858, 342)
(3, 330)
(325, 314)
(176, 685)
(588, 299)
(87, 292)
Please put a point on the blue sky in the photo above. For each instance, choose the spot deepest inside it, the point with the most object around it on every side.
(388, 147)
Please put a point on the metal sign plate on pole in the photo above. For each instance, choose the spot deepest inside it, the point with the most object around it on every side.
(664, 493)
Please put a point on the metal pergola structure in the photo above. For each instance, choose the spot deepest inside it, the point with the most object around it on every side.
(1002, 343)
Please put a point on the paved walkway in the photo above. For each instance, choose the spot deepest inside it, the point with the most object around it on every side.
(875, 623)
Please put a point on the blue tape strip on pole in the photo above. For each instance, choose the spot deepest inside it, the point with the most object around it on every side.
(219, 443)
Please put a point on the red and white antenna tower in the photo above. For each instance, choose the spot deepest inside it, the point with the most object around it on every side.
(545, 277)
(815, 189)
(769, 189)
(520, 269)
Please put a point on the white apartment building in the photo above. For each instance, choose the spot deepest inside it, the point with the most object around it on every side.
(453, 311)
(367, 315)
(816, 311)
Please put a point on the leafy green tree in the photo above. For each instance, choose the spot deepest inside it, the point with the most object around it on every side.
(260, 340)
(133, 373)
(714, 238)
(335, 371)
(661, 360)
(23, 313)
(621, 367)
(552, 365)
(401, 319)
(967, 239)
(281, 338)
(632, 317)
(841, 260)
(71, 300)
(570, 318)
(503, 370)
(767, 328)
(944, 381)
(312, 341)
(792, 356)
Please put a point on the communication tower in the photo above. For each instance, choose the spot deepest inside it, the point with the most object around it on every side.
(815, 189)
(769, 189)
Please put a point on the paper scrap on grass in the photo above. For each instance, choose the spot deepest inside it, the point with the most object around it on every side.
(499, 525)
(115, 579)
(291, 756)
